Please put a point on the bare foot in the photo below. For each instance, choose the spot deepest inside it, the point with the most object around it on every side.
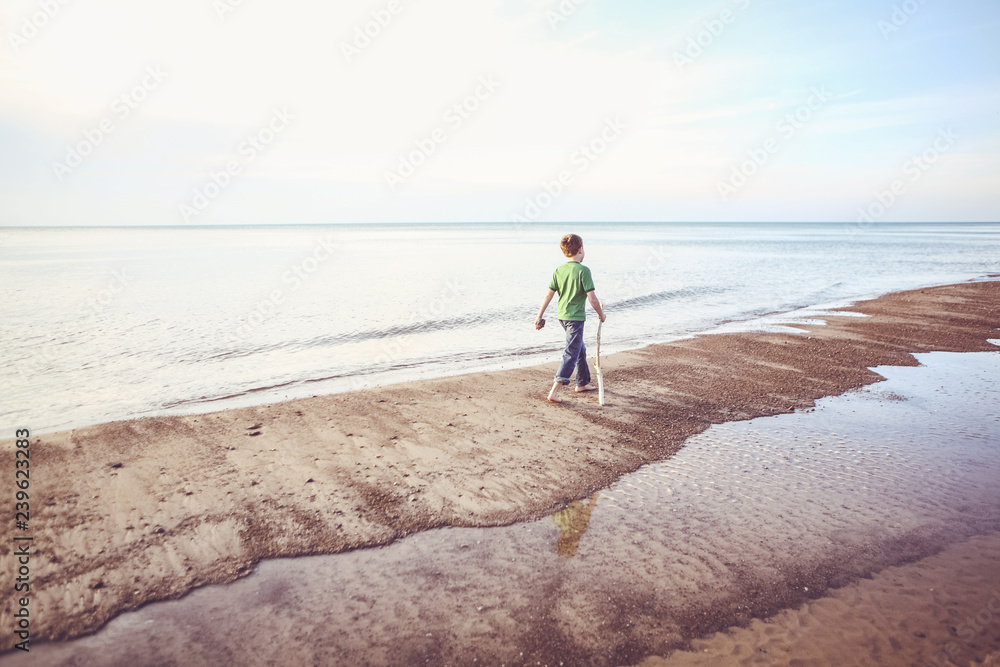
(554, 393)
(589, 387)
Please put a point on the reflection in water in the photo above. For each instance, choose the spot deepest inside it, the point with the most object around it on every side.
(573, 521)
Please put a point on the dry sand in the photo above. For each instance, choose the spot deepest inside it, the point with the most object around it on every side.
(130, 512)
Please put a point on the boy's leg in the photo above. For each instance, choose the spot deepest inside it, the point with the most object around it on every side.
(574, 340)
(582, 368)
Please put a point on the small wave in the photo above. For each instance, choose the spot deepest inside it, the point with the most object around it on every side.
(459, 359)
(667, 295)
(431, 326)
(424, 326)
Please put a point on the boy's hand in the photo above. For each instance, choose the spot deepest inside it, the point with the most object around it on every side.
(539, 320)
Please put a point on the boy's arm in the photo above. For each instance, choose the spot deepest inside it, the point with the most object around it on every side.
(545, 304)
(595, 304)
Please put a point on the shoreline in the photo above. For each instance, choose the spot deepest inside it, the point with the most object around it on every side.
(158, 506)
(776, 321)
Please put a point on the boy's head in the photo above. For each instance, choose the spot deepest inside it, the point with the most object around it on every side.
(571, 244)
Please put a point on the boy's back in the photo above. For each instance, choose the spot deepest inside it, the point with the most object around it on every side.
(572, 281)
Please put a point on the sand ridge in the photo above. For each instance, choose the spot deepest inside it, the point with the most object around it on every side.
(148, 509)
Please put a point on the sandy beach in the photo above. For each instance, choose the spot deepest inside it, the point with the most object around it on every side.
(130, 512)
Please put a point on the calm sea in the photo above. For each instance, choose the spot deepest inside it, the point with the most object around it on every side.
(99, 324)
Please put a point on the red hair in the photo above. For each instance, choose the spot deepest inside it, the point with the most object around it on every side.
(571, 244)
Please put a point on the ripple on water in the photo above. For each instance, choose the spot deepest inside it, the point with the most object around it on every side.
(748, 517)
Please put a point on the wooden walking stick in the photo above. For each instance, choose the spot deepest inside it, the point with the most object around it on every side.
(600, 376)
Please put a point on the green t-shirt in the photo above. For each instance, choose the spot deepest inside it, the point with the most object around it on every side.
(572, 280)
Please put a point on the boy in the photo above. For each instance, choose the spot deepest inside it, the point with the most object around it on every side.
(575, 287)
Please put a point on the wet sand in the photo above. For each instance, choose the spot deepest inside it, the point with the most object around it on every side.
(938, 612)
(149, 509)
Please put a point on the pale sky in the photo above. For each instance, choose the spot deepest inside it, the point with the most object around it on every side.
(738, 110)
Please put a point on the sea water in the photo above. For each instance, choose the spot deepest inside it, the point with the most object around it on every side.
(100, 324)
